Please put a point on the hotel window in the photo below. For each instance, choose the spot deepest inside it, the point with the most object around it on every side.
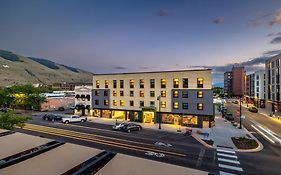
(97, 93)
(131, 103)
(176, 105)
(199, 106)
(185, 82)
(163, 104)
(163, 83)
(132, 83)
(141, 93)
(200, 82)
(176, 83)
(115, 93)
(122, 103)
(105, 93)
(152, 83)
(114, 83)
(176, 94)
(184, 94)
(98, 84)
(96, 102)
(105, 102)
(131, 93)
(200, 94)
(184, 105)
(114, 102)
(121, 93)
(163, 93)
(121, 84)
(106, 82)
(152, 103)
(141, 83)
(141, 103)
(152, 94)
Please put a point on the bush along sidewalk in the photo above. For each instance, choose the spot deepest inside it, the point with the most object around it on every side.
(244, 143)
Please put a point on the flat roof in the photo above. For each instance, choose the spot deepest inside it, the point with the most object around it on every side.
(53, 162)
(185, 70)
(18, 142)
(123, 164)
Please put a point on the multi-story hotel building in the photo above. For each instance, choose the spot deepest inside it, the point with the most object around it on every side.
(272, 74)
(182, 97)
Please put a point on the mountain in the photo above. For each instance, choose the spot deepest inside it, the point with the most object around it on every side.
(17, 69)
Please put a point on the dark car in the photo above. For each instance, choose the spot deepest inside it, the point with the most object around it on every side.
(131, 127)
(52, 117)
(253, 109)
(61, 109)
(229, 117)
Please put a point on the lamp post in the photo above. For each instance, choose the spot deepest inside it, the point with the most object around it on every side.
(159, 118)
(240, 127)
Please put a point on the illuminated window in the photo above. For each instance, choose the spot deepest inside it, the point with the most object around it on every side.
(141, 93)
(114, 83)
(105, 102)
(131, 103)
(98, 84)
(176, 105)
(152, 83)
(106, 82)
(200, 82)
(199, 94)
(115, 93)
(163, 104)
(132, 83)
(163, 83)
(184, 105)
(199, 106)
(163, 93)
(122, 103)
(114, 102)
(176, 94)
(131, 93)
(121, 93)
(152, 94)
(121, 84)
(141, 103)
(141, 83)
(176, 83)
(185, 82)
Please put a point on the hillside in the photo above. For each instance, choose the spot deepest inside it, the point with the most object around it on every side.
(16, 69)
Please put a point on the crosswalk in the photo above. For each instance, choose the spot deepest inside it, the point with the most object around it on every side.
(228, 162)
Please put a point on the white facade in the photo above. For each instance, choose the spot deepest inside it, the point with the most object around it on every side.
(259, 84)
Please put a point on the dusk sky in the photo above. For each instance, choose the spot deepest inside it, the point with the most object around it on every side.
(104, 36)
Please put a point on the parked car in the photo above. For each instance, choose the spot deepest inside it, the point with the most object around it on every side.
(61, 109)
(74, 118)
(52, 117)
(229, 117)
(235, 101)
(253, 109)
(131, 127)
(118, 126)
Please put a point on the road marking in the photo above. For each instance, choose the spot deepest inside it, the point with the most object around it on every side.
(230, 167)
(229, 161)
(201, 154)
(226, 151)
(227, 155)
(263, 134)
(225, 173)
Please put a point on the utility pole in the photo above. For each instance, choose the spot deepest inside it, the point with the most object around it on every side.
(159, 117)
(240, 113)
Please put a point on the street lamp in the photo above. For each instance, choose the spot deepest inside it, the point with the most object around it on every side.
(240, 127)
(159, 118)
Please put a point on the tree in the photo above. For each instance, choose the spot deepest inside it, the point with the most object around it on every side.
(9, 120)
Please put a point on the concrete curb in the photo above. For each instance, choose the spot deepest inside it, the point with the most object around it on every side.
(201, 141)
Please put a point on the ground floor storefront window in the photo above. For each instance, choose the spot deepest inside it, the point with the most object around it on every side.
(116, 114)
(190, 120)
(106, 113)
(97, 113)
(171, 119)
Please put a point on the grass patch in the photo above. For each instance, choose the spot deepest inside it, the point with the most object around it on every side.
(244, 143)
(9, 55)
(44, 62)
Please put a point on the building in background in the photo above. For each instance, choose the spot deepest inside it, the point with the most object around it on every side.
(67, 86)
(83, 100)
(228, 84)
(272, 74)
(182, 97)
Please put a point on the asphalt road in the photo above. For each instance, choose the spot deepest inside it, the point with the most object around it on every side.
(268, 160)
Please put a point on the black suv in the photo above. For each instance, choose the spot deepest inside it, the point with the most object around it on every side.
(52, 117)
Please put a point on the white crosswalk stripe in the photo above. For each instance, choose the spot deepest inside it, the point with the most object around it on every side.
(228, 162)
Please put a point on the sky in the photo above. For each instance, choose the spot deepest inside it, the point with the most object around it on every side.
(106, 36)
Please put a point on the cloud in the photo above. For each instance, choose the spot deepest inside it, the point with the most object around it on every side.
(162, 12)
(276, 18)
(274, 34)
(272, 52)
(218, 20)
(276, 40)
(255, 22)
(120, 67)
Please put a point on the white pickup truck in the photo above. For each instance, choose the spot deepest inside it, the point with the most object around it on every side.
(74, 118)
